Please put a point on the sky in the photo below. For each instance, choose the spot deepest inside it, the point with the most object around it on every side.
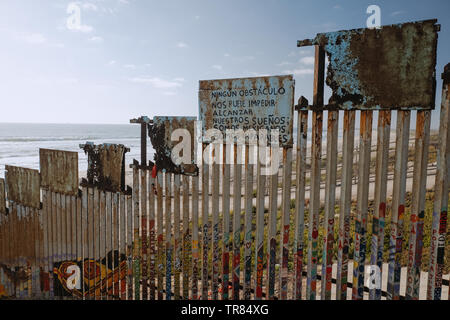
(130, 58)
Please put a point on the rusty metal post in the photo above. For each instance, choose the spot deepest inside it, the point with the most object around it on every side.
(160, 234)
(359, 256)
(272, 230)
(285, 216)
(136, 239)
(187, 252)
(177, 236)
(248, 225)
(123, 247)
(316, 150)
(195, 237)
(330, 199)
(168, 234)
(130, 279)
(85, 234)
(418, 204)
(237, 179)
(215, 221)
(398, 204)
(381, 171)
(302, 140)
(143, 144)
(440, 210)
(103, 236)
(226, 241)
(345, 204)
(151, 233)
(144, 223)
(205, 224)
(259, 243)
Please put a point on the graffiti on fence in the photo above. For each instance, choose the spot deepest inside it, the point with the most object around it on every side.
(111, 271)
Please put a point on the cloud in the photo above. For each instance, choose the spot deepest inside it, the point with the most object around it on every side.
(179, 79)
(307, 60)
(301, 71)
(396, 13)
(129, 66)
(96, 39)
(217, 67)
(197, 17)
(124, 1)
(156, 82)
(169, 93)
(226, 55)
(32, 38)
(182, 45)
(89, 6)
(112, 62)
(284, 63)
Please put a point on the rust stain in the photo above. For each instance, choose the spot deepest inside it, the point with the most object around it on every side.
(160, 133)
(23, 186)
(106, 166)
(388, 68)
(2, 197)
(59, 171)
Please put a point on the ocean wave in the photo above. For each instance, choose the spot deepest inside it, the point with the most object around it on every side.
(75, 138)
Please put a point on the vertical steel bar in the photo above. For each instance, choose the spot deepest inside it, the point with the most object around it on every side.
(226, 240)
(144, 238)
(151, 233)
(272, 228)
(177, 235)
(381, 172)
(130, 279)
(285, 211)
(195, 237)
(237, 179)
(215, 221)
(302, 140)
(136, 239)
(330, 199)
(123, 247)
(85, 240)
(398, 204)
(313, 230)
(418, 204)
(248, 224)
(359, 256)
(345, 204)
(160, 235)
(114, 252)
(187, 253)
(205, 224)
(104, 235)
(259, 233)
(440, 208)
(168, 229)
(316, 150)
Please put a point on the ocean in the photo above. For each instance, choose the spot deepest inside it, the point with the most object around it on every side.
(20, 142)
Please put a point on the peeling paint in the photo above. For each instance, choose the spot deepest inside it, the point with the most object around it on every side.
(388, 68)
(160, 133)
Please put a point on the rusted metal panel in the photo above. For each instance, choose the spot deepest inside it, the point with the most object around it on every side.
(106, 166)
(392, 67)
(2, 197)
(59, 171)
(23, 186)
(160, 133)
(248, 103)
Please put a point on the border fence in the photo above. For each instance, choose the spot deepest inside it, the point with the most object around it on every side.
(225, 230)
